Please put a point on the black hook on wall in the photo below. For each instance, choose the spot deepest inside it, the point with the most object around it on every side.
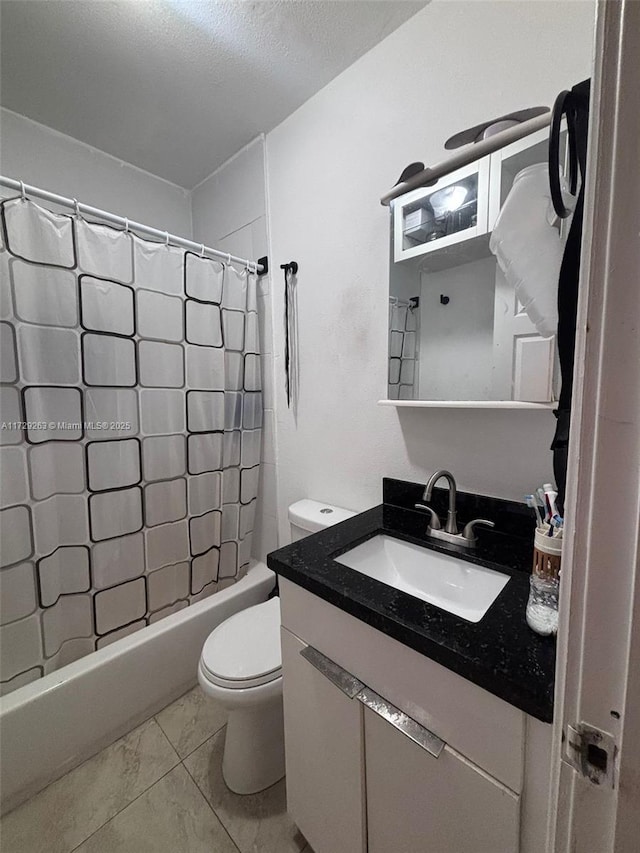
(291, 267)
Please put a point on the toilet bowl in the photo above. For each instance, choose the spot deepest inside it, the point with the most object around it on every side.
(240, 667)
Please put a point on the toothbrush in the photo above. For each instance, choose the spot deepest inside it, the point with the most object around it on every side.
(551, 494)
(533, 503)
(541, 497)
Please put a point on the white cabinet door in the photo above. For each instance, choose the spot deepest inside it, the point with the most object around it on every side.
(508, 161)
(324, 750)
(523, 361)
(456, 209)
(420, 803)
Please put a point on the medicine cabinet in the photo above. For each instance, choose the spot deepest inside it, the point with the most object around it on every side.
(458, 336)
(454, 210)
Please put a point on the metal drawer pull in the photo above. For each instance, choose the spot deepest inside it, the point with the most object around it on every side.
(338, 676)
(399, 720)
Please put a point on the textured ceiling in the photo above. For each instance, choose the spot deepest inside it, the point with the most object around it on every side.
(178, 86)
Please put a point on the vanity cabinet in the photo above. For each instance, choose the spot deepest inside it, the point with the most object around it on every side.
(389, 752)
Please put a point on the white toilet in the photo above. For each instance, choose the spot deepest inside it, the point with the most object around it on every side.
(241, 668)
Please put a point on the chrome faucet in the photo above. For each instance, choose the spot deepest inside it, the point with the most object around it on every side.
(450, 533)
(451, 526)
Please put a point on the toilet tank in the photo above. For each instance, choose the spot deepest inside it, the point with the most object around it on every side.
(307, 516)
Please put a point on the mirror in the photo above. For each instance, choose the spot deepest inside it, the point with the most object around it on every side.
(457, 331)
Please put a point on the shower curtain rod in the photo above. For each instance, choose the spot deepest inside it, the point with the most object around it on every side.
(127, 224)
(468, 154)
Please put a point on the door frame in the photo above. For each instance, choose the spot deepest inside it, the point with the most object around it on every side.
(598, 678)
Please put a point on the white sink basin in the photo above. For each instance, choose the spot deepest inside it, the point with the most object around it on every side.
(451, 584)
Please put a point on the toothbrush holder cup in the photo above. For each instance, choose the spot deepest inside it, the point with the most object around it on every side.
(547, 555)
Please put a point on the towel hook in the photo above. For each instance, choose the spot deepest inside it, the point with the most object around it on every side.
(290, 269)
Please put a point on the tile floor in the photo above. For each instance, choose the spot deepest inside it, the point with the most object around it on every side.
(159, 789)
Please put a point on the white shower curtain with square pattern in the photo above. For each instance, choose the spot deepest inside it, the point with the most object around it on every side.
(131, 416)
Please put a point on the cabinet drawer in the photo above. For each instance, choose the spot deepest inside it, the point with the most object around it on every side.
(485, 729)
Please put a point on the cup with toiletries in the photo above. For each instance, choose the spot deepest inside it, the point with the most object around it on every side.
(542, 606)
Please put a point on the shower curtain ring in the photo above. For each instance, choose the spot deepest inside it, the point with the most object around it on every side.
(23, 192)
(126, 225)
(229, 259)
(76, 207)
(166, 239)
(202, 250)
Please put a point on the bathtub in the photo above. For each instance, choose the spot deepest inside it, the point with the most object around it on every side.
(55, 723)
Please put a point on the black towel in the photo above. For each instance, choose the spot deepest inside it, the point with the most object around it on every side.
(575, 105)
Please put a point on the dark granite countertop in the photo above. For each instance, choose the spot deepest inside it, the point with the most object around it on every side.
(499, 653)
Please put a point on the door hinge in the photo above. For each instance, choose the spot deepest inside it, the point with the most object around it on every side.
(592, 753)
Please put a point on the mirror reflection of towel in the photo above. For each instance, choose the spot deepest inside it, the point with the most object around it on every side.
(528, 247)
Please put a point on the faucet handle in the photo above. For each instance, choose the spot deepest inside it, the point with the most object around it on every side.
(434, 524)
(469, 533)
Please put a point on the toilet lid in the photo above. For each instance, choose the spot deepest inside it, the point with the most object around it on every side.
(244, 650)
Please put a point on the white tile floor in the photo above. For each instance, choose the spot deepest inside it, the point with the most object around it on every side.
(159, 789)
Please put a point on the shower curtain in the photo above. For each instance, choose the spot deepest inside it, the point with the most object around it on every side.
(404, 349)
(131, 416)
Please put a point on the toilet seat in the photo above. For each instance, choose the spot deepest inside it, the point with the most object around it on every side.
(244, 651)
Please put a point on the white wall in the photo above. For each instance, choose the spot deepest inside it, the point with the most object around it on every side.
(231, 197)
(456, 340)
(451, 66)
(38, 155)
(229, 212)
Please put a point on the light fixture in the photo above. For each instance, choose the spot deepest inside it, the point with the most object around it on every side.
(453, 197)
